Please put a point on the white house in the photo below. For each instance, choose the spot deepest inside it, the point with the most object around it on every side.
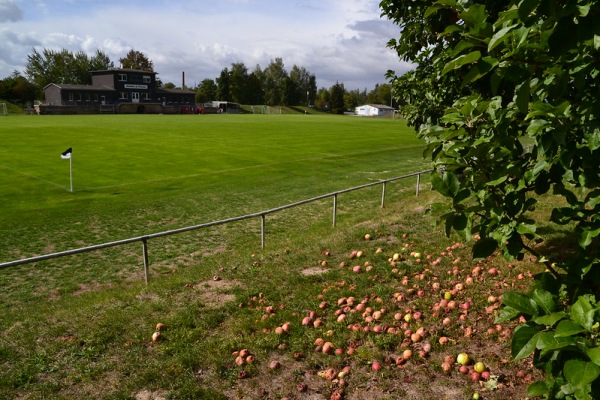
(374, 110)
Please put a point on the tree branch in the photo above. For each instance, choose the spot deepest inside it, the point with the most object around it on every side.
(548, 264)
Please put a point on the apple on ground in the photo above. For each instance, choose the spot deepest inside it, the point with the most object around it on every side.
(479, 367)
(462, 359)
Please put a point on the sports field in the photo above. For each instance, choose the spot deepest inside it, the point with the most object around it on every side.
(191, 168)
(135, 175)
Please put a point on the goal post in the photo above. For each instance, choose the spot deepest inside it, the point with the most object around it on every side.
(3, 110)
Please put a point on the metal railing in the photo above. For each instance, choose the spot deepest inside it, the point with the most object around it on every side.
(263, 214)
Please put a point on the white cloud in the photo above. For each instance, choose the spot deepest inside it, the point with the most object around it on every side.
(10, 11)
(337, 40)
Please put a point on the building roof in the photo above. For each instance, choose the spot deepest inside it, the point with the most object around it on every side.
(104, 71)
(69, 86)
(381, 106)
(176, 91)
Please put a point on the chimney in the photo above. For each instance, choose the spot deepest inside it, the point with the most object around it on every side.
(183, 79)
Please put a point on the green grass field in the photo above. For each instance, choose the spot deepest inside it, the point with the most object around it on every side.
(141, 174)
(203, 167)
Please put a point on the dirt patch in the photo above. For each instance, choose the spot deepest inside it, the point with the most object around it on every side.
(314, 271)
(214, 292)
(148, 395)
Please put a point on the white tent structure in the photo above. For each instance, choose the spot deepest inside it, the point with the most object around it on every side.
(373, 110)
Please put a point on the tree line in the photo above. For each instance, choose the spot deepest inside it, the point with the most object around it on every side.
(273, 85)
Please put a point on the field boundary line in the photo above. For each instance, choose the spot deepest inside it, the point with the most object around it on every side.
(221, 171)
(33, 177)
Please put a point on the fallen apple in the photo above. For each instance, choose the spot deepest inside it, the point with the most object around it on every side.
(463, 359)
(274, 364)
(479, 367)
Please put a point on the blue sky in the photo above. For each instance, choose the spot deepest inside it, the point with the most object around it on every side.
(336, 40)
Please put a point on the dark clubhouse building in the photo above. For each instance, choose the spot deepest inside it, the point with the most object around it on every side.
(117, 91)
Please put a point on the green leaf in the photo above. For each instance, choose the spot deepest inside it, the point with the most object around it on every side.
(432, 10)
(537, 389)
(484, 248)
(550, 319)
(521, 302)
(474, 15)
(587, 235)
(579, 373)
(568, 328)
(582, 312)
(499, 37)
(544, 299)
(593, 139)
(447, 184)
(526, 229)
(482, 68)
(461, 60)
(594, 355)
(524, 341)
(549, 341)
(506, 314)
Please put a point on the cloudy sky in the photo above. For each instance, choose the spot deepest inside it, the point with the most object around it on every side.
(336, 40)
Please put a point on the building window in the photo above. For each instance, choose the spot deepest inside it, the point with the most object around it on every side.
(146, 96)
(123, 95)
(122, 77)
(70, 96)
(96, 97)
(79, 97)
(147, 79)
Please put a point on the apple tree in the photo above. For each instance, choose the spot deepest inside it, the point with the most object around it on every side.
(505, 95)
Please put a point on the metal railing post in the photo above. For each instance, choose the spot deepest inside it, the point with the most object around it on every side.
(382, 194)
(262, 231)
(418, 183)
(334, 208)
(145, 255)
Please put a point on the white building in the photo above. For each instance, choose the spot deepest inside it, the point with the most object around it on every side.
(374, 110)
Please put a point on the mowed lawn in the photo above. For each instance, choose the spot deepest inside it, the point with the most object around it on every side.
(181, 168)
(135, 175)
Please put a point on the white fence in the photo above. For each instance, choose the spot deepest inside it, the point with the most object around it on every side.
(263, 214)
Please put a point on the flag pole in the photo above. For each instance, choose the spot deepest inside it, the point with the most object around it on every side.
(69, 154)
(71, 171)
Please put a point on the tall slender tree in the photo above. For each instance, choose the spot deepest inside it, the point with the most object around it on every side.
(238, 83)
(274, 83)
(337, 98)
(223, 84)
(255, 86)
